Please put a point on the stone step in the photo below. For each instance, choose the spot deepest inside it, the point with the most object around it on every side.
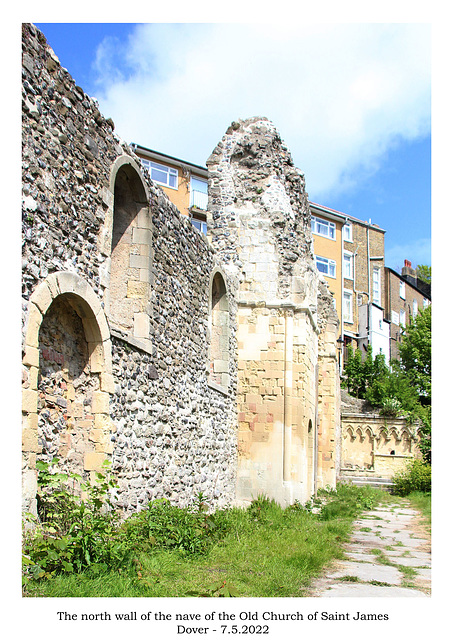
(378, 483)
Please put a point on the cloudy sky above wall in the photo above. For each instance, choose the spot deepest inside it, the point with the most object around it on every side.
(351, 101)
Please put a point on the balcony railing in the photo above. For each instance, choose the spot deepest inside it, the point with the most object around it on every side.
(198, 200)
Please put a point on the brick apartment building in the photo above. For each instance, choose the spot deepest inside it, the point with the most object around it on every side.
(405, 296)
(351, 259)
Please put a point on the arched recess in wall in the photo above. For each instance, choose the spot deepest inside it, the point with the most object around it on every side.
(131, 250)
(67, 379)
(219, 331)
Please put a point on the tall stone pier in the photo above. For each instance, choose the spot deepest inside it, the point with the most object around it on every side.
(287, 400)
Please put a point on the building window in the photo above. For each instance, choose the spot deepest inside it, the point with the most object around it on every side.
(347, 232)
(402, 317)
(348, 306)
(395, 318)
(425, 303)
(199, 223)
(323, 228)
(326, 266)
(402, 290)
(347, 347)
(415, 308)
(198, 193)
(348, 265)
(161, 174)
(376, 290)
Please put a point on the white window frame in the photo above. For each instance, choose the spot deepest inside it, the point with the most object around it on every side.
(402, 290)
(347, 232)
(317, 227)
(201, 225)
(172, 174)
(395, 318)
(348, 255)
(330, 265)
(376, 285)
(402, 317)
(198, 197)
(415, 308)
(347, 305)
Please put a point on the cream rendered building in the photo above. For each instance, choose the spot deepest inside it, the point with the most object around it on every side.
(183, 182)
(350, 254)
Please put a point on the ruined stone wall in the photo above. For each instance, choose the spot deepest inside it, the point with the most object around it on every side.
(375, 446)
(142, 341)
(108, 372)
(259, 223)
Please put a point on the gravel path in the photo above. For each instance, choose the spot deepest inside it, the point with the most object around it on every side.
(389, 555)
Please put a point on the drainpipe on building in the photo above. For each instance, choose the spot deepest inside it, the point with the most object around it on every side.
(368, 263)
(341, 351)
(368, 283)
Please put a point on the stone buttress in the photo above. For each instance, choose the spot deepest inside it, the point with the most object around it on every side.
(259, 224)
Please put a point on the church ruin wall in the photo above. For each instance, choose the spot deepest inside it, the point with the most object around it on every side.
(140, 394)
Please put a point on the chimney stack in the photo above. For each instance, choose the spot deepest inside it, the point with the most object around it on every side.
(409, 273)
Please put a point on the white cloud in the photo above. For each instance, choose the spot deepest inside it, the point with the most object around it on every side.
(340, 94)
(417, 252)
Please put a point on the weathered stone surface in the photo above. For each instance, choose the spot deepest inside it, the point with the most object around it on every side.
(146, 335)
(259, 224)
(166, 423)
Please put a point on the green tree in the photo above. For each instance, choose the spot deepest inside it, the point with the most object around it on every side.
(405, 388)
(360, 375)
(416, 354)
(424, 272)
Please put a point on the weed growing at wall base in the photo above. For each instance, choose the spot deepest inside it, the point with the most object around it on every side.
(167, 551)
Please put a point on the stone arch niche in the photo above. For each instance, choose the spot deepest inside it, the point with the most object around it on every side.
(131, 251)
(67, 381)
(219, 332)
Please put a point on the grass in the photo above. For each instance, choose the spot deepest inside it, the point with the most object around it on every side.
(264, 551)
(422, 502)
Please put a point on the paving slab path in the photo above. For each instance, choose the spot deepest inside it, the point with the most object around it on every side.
(389, 555)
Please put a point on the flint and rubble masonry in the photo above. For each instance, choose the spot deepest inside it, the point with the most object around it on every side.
(193, 365)
(165, 430)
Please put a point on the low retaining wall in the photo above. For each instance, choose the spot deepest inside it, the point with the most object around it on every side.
(376, 447)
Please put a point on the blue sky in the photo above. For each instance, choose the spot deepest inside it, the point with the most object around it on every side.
(352, 103)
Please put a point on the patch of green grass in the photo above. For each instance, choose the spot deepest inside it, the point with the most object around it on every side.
(408, 572)
(262, 551)
(422, 502)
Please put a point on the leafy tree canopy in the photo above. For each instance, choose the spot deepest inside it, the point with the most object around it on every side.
(424, 272)
(405, 387)
(416, 353)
